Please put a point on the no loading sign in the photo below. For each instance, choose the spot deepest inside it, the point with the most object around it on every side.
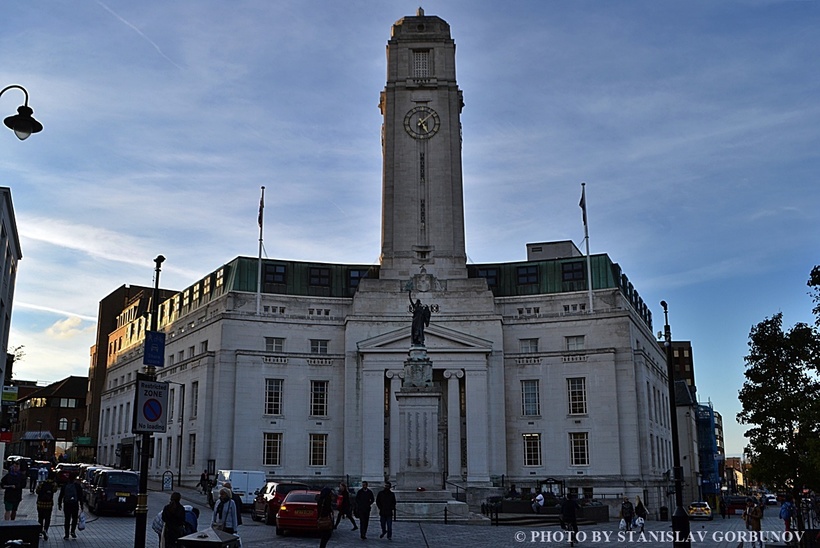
(149, 413)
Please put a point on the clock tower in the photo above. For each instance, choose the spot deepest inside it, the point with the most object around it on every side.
(422, 194)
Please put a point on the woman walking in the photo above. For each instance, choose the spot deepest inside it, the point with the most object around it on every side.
(343, 506)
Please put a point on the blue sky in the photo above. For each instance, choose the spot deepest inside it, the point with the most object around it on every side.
(694, 125)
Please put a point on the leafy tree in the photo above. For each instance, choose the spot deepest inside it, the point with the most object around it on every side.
(781, 401)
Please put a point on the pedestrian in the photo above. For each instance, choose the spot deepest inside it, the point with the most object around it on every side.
(324, 509)
(173, 516)
(224, 518)
(787, 512)
(13, 484)
(191, 519)
(72, 499)
(627, 513)
(569, 517)
(33, 473)
(45, 503)
(343, 506)
(204, 482)
(364, 500)
(537, 503)
(512, 493)
(640, 513)
(386, 503)
(724, 510)
(237, 500)
(753, 516)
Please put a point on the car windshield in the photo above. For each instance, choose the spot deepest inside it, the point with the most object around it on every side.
(123, 480)
(285, 488)
(699, 505)
(301, 497)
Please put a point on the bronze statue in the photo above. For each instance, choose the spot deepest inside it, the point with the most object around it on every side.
(421, 319)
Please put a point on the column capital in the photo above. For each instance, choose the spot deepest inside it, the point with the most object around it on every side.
(457, 373)
(391, 373)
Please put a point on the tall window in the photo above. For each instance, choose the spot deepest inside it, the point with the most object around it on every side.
(577, 395)
(63, 424)
(318, 450)
(575, 342)
(318, 346)
(274, 344)
(273, 396)
(528, 346)
(421, 65)
(191, 449)
(530, 404)
(272, 449)
(579, 448)
(158, 451)
(168, 452)
(171, 405)
(318, 398)
(532, 449)
(194, 398)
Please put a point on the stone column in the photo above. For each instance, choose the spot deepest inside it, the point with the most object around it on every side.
(453, 423)
(395, 450)
(475, 387)
(372, 446)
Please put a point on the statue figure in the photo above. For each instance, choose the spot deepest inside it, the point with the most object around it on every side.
(421, 319)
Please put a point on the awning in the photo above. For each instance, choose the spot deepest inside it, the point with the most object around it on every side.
(37, 435)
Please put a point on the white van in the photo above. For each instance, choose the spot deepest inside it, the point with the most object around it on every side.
(244, 483)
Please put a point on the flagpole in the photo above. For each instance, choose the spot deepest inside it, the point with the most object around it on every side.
(259, 262)
(583, 205)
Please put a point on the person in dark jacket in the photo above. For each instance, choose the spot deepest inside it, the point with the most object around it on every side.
(173, 515)
(364, 500)
(324, 509)
(13, 483)
(343, 506)
(45, 503)
(627, 513)
(386, 502)
(33, 473)
(569, 517)
(72, 498)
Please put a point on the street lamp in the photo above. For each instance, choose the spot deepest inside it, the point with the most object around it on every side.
(23, 123)
(680, 519)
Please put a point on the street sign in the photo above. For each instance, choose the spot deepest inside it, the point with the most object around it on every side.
(154, 352)
(150, 411)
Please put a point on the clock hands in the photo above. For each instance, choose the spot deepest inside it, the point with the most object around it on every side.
(421, 123)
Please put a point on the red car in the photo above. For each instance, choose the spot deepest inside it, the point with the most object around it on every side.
(298, 512)
(267, 501)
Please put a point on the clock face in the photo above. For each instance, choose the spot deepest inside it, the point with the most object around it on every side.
(421, 122)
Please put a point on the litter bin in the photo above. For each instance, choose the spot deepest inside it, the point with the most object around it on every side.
(25, 530)
(664, 513)
(209, 538)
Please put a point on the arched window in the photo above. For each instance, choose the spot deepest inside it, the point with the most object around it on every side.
(63, 424)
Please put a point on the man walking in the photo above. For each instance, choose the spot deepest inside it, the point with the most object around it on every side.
(71, 498)
(364, 500)
(386, 502)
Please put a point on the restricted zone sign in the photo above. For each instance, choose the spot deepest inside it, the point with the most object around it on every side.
(150, 410)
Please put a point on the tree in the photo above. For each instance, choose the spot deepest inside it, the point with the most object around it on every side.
(781, 400)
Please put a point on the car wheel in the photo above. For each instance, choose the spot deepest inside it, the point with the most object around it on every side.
(269, 519)
(254, 515)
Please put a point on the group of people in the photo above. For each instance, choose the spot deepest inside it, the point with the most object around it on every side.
(177, 520)
(358, 507)
(70, 500)
(633, 516)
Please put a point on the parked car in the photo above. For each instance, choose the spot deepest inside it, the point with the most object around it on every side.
(243, 483)
(24, 462)
(771, 499)
(114, 491)
(270, 497)
(700, 510)
(298, 512)
(66, 471)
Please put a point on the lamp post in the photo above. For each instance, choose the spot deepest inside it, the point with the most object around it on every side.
(680, 519)
(141, 511)
(23, 123)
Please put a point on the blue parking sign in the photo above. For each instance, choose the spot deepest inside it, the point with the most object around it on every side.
(154, 353)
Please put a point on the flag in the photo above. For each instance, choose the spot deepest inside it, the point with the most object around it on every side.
(261, 206)
(583, 202)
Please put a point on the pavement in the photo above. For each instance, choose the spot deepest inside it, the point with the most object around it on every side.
(118, 531)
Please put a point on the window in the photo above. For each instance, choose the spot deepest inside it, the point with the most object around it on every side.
(318, 398)
(273, 396)
(318, 450)
(168, 452)
(275, 274)
(158, 451)
(530, 401)
(528, 346)
(171, 402)
(532, 449)
(63, 424)
(575, 343)
(421, 65)
(571, 272)
(527, 275)
(191, 352)
(274, 344)
(489, 274)
(355, 276)
(318, 346)
(194, 398)
(579, 448)
(191, 449)
(203, 347)
(272, 447)
(577, 395)
(320, 276)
